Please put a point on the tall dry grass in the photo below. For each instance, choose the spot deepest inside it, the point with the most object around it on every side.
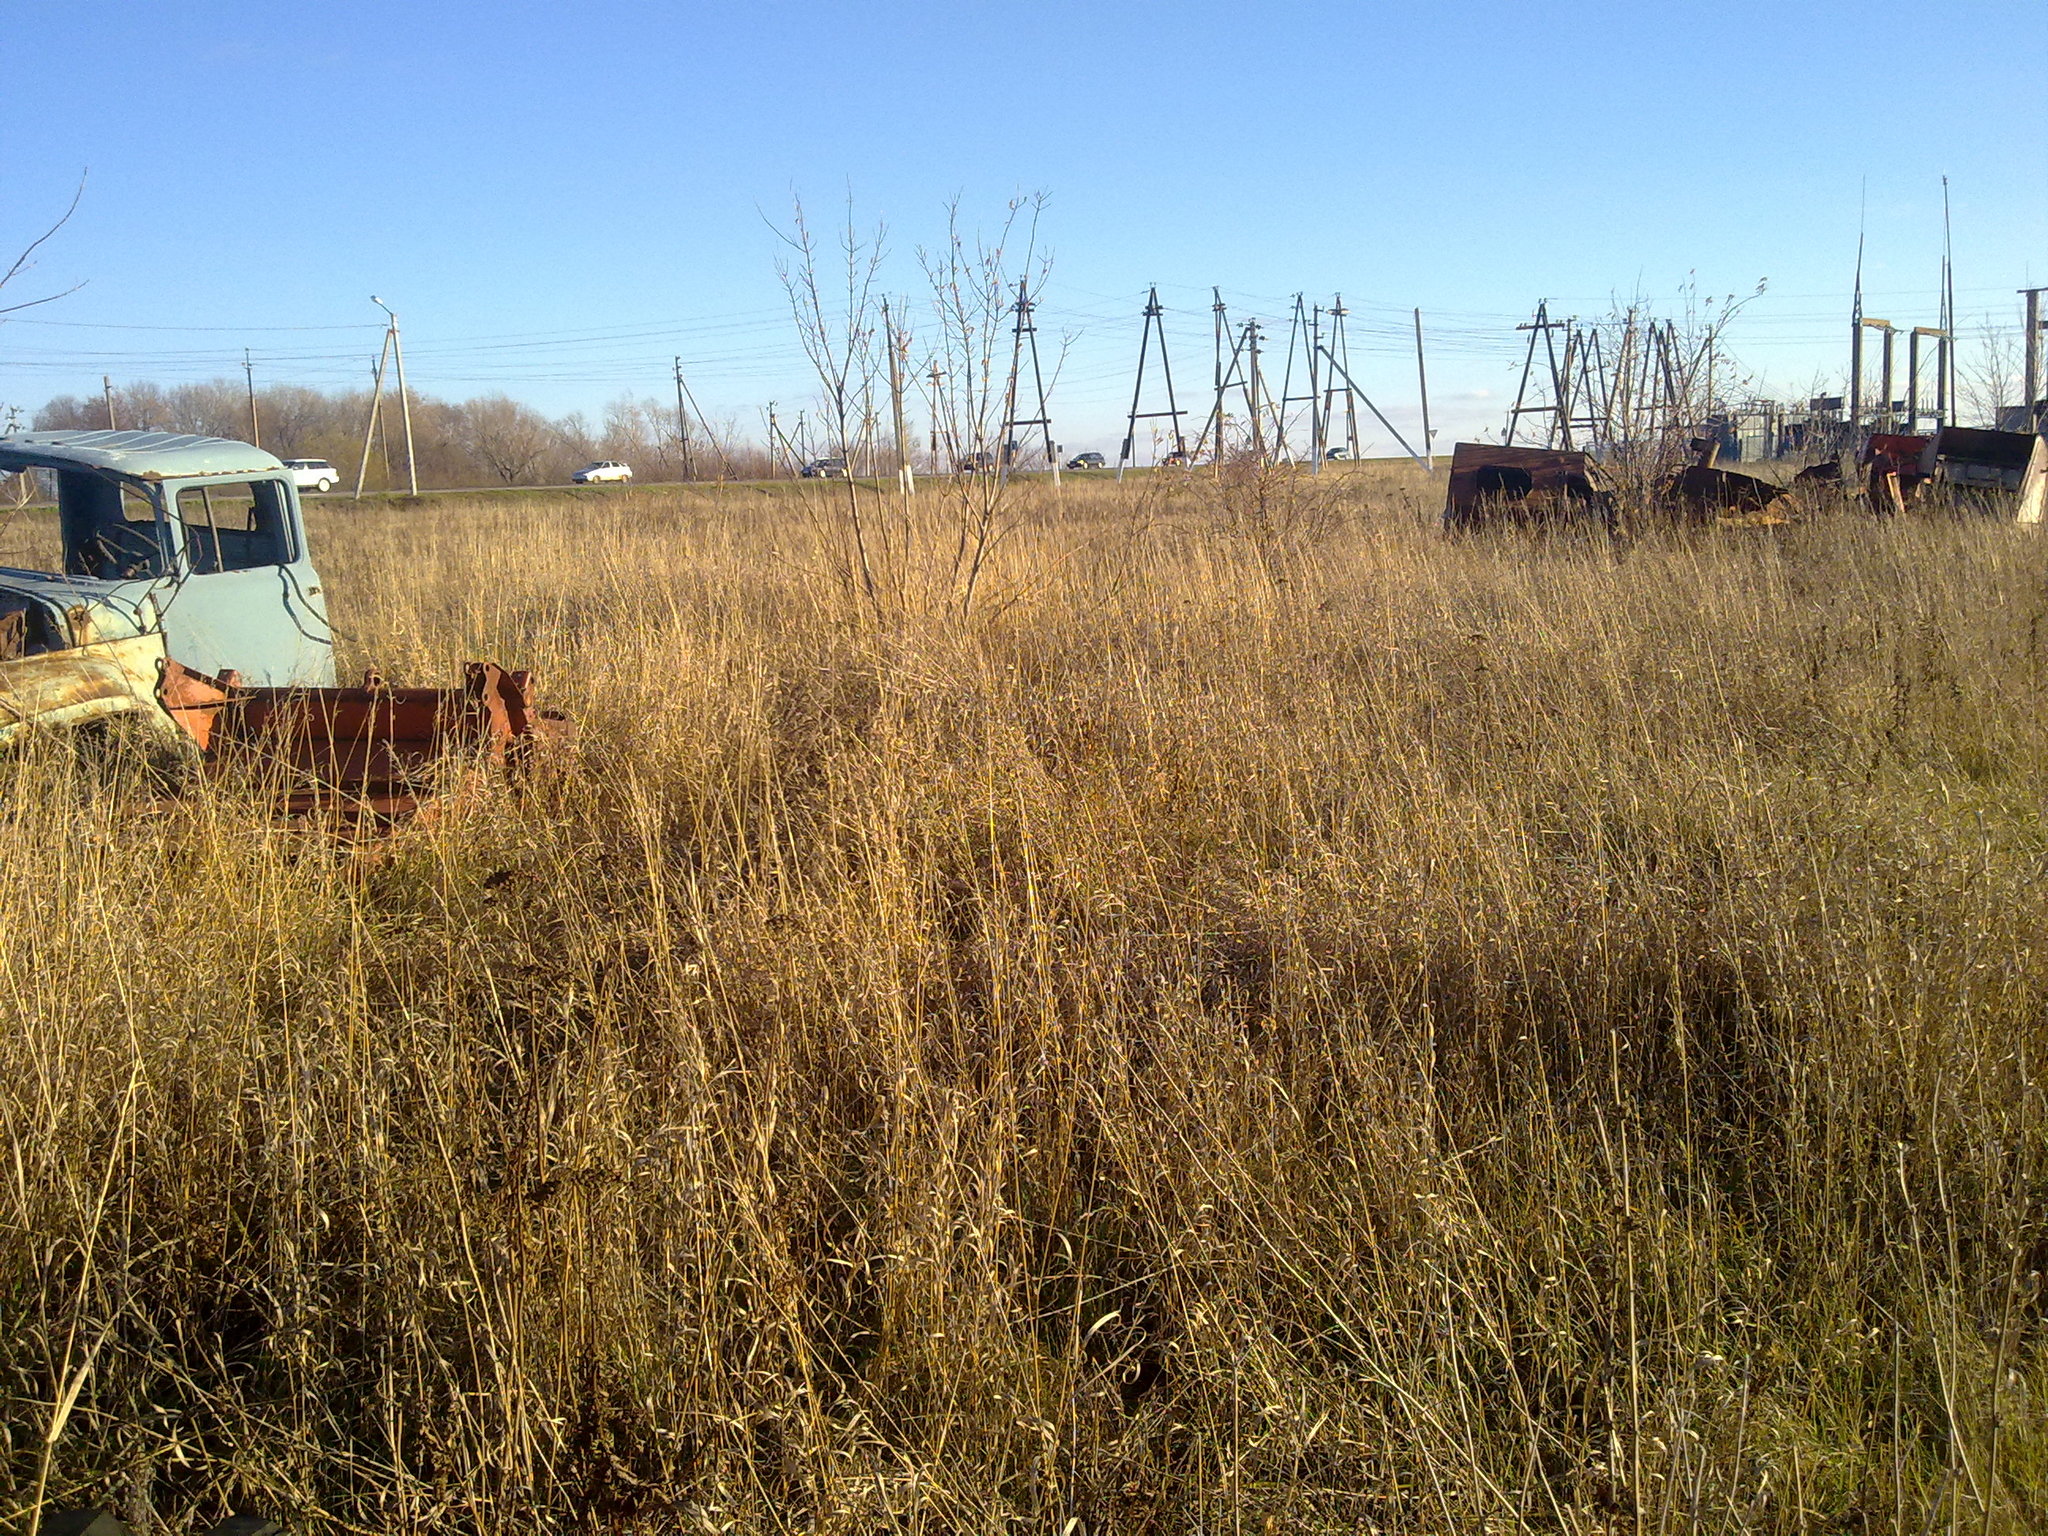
(1278, 1023)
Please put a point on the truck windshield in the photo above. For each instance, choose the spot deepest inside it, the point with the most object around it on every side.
(234, 525)
(109, 529)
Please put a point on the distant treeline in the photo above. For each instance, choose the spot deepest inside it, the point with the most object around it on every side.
(491, 440)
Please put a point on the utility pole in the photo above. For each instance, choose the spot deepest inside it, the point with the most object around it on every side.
(1422, 388)
(904, 477)
(1542, 328)
(1222, 326)
(1251, 336)
(1856, 348)
(412, 469)
(1945, 352)
(1232, 375)
(107, 390)
(684, 392)
(255, 427)
(2033, 414)
(934, 378)
(1318, 428)
(1297, 332)
(683, 426)
(1339, 353)
(370, 427)
(1027, 333)
(1155, 314)
(784, 451)
(1304, 332)
(383, 431)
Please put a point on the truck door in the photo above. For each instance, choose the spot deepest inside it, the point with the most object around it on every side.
(245, 595)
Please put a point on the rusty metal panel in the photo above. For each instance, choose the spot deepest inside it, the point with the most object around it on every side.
(1902, 450)
(1891, 461)
(1522, 487)
(1973, 458)
(375, 751)
(1707, 491)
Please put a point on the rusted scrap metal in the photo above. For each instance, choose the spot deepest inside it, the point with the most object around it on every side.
(1523, 487)
(1713, 492)
(1706, 490)
(1892, 474)
(373, 751)
(2001, 472)
(2005, 471)
(1978, 459)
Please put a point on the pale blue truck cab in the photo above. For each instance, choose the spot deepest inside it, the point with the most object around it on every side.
(198, 538)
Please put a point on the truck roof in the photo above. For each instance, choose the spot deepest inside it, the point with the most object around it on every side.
(138, 455)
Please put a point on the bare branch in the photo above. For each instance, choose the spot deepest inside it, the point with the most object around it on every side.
(50, 298)
(22, 263)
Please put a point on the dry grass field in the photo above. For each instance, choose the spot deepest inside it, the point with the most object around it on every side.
(1273, 1022)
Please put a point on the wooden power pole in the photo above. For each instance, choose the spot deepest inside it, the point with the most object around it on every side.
(2034, 414)
(249, 373)
(683, 426)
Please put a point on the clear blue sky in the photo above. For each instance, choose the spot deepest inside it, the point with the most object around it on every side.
(558, 198)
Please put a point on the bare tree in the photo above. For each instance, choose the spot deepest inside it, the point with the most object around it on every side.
(508, 438)
(1993, 377)
(971, 282)
(1653, 384)
(838, 336)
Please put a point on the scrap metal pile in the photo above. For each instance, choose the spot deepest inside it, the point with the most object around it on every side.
(186, 607)
(2000, 474)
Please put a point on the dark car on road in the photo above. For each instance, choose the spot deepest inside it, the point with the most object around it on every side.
(1087, 461)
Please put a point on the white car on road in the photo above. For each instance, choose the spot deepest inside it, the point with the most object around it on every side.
(603, 470)
(313, 474)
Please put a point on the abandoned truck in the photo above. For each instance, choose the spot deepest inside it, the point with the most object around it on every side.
(179, 596)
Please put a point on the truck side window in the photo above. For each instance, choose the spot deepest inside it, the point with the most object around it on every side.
(29, 540)
(109, 528)
(234, 526)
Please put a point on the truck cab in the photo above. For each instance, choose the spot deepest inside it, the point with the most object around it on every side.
(198, 539)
